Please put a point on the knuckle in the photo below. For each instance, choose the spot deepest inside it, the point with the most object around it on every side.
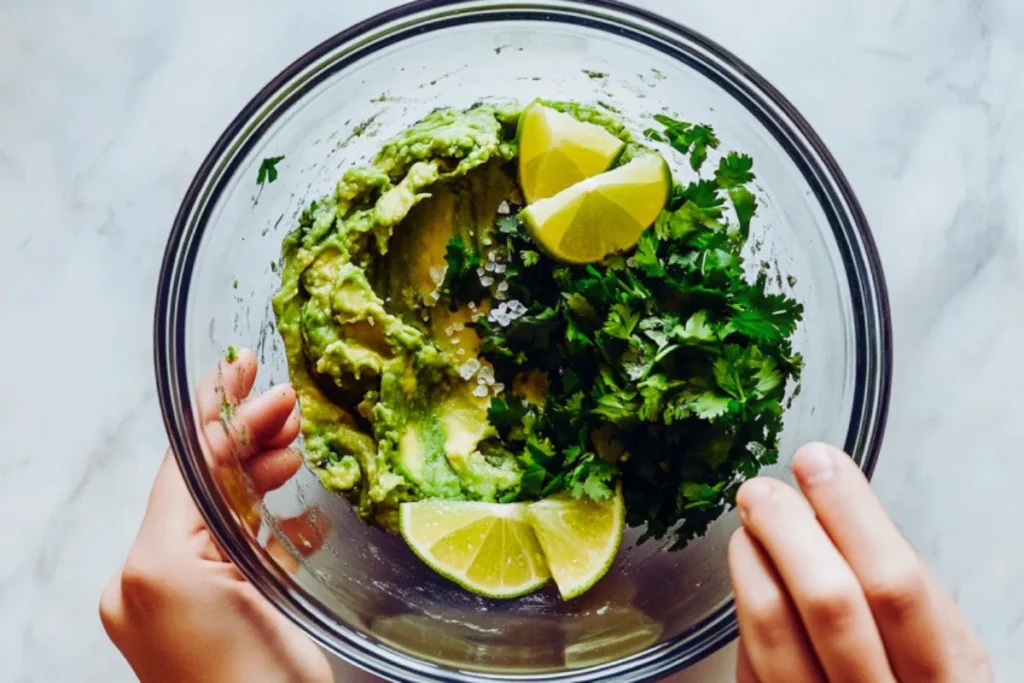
(897, 596)
(833, 607)
(144, 582)
(768, 622)
(110, 606)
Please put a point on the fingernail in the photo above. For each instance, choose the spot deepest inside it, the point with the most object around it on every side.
(751, 492)
(814, 464)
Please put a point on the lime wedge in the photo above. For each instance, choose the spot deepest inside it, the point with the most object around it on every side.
(556, 151)
(580, 538)
(487, 548)
(603, 214)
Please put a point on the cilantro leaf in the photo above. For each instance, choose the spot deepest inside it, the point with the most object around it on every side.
(767, 318)
(529, 257)
(745, 204)
(268, 170)
(617, 407)
(461, 281)
(508, 225)
(687, 138)
(646, 255)
(505, 416)
(621, 322)
(734, 170)
(696, 330)
(592, 478)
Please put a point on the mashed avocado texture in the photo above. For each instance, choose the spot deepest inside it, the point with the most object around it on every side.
(393, 394)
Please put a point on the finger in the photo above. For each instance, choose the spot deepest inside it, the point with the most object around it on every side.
(824, 589)
(247, 429)
(229, 382)
(287, 434)
(773, 637)
(271, 469)
(171, 513)
(298, 537)
(744, 669)
(898, 586)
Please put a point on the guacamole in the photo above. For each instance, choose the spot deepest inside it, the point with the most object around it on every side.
(440, 351)
(393, 394)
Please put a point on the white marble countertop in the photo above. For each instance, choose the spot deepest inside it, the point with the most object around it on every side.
(107, 108)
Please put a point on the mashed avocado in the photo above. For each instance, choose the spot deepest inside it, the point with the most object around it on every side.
(393, 401)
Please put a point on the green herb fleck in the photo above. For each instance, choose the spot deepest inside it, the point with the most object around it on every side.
(268, 170)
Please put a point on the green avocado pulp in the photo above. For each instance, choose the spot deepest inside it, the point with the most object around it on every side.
(376, 361)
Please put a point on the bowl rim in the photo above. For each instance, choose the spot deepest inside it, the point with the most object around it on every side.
(850, 227)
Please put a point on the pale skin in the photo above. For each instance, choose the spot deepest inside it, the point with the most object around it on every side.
(827, 589)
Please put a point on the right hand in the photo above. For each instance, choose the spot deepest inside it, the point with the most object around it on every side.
(827, 589)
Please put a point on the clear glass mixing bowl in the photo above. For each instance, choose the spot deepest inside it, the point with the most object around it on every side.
(363, 595)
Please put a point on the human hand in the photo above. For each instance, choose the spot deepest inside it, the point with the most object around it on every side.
(841, 596)
(179, 610)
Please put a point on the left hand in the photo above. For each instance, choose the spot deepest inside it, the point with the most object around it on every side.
(178, 610)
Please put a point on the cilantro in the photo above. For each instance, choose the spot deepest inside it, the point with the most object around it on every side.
(508, 225)
(646, 255)
(460, 279)
(529, 257)
(268, 170)
(621, 321)
(745, 204)
(592, 479)
(231, 355)
(669, 350)
(505, 416)
(688, 138)
(734, 170)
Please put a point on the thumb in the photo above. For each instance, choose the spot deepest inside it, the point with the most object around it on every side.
(171, 514)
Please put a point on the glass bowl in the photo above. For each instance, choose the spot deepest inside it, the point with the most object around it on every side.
(363, 595)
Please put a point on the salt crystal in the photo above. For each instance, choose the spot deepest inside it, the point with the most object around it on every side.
(498, 388)
(490, 267)
(487, 281)
(503, 208)
(631, 262)
(503, 319)
(499, 267)
(460, 352)
(502, 286)
(487, 373)
(480, 391)
(458, 326)
(480, 379)
(469, 368)
(437, 274)
(490, 256)
(449, 331)
(487, 241)
(472, 305)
